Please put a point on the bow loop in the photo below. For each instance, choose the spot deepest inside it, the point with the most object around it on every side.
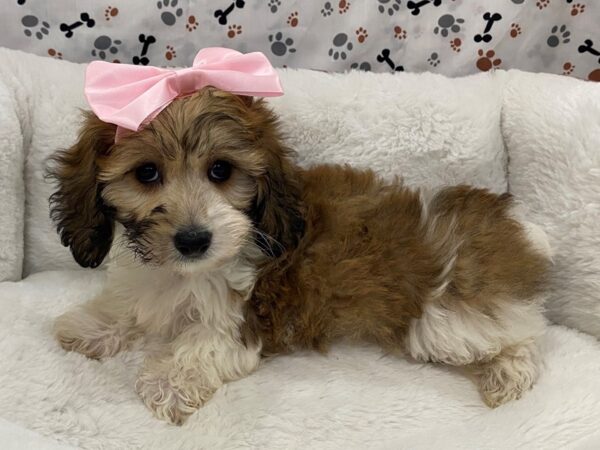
(129, 96)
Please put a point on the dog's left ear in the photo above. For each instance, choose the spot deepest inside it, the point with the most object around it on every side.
(279, 210)
(84, 222)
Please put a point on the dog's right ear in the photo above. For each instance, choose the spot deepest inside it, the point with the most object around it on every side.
(84, 222)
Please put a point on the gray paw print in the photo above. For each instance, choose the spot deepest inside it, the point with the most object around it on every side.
(392, 8)
(104, 44)
(433, 59)
(169, 17)
(327, 9)
(279, 45)
(340, 46)
(362, 66)
(448, 22)
(274, 5)
(30, 22)
(558, 35)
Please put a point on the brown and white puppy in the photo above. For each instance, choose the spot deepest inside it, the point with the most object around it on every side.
(226, 250)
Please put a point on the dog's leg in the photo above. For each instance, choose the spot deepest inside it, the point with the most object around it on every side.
(498, 345)
(98, 329)
(186, 372)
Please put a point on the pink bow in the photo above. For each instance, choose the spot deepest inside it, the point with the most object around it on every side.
(129, 96)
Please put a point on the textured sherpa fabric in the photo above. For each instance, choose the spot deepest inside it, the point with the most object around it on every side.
(552, 130)
(353, 398)
(427, 128)
(12, 190)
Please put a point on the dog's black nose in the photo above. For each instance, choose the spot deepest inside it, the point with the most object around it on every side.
(192, 241)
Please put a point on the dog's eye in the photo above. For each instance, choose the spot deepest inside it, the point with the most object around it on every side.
(147, 173)
(220, 171)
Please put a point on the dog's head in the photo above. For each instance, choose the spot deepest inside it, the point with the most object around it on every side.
(204, 180)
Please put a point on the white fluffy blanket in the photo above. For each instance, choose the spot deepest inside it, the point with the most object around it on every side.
(355, 397)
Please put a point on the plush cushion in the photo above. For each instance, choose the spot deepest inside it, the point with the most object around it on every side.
(416, 126)
(12, 187)
(552, 129)
(355, 397)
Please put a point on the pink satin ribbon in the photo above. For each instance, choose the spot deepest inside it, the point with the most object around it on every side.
(130, 96)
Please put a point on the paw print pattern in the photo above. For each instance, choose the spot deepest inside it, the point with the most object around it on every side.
(343, 6)
(515, 30)
(433, 59)
(568, 68)
(33, 27)
(274, 5)
(55, 54)
(361, 35)
(455, 44)
(170, 53)
(327, 9)
(541, 4)
(170, 12)
(191, 24)
(104, 44)
(233, 31)
(391, 6)
(111, 12)
(448, 23)
(293, 20)
(577, 8)
(280, 45)
(365, 66)
(558, 36)
(399, 32)
(487, 60)
(341, 46)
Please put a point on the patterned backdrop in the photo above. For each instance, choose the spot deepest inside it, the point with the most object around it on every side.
(453, 37)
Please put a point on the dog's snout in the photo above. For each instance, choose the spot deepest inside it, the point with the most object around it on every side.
(192, 241)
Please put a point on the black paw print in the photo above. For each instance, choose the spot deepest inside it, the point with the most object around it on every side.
(558, 36)
(31, 22)
(365, 66)
(280, 45)
(448, 22)
(327, 9)
(393, 6)
(274, 5)
(340, 46)
(104, 44)
(433, 59)
(169, 17)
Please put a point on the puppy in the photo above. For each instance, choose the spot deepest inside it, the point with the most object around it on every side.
(226, 251)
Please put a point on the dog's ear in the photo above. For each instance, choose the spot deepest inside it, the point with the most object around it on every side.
(84, 222)
(278, 210)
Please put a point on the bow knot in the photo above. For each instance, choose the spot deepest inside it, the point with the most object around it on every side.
(129, 96)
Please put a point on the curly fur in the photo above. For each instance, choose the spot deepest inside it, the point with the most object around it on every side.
(300, 258)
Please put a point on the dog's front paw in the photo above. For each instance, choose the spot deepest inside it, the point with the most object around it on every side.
(79, 332)
(168, 402)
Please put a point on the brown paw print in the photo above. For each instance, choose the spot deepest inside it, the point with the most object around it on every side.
(541, 4)
(361, 35)
(455, 44)
(515, 30)
(233, 31)
(293, 19)
(577, 8)
(486, 61)
(191, 24)
(568, 68)
(399, 33)
(343, 6)
(171, 53)
(594, 75)
(110, 12)
(55, 54)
